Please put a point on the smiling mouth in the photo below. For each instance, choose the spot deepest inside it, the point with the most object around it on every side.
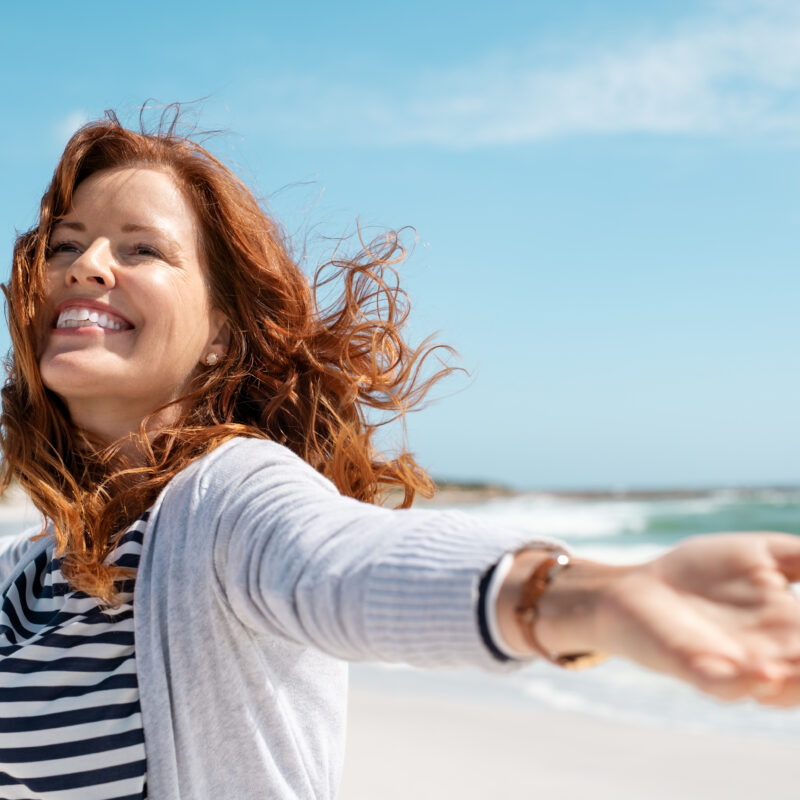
(77, 317)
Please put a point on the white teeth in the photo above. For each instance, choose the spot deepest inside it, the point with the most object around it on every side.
(77, 317)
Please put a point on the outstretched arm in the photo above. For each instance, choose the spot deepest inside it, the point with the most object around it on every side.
(717, 612)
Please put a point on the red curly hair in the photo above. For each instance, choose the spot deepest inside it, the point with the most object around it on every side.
(294, 373)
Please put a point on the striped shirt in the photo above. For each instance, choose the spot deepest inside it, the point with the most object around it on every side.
(70, 721)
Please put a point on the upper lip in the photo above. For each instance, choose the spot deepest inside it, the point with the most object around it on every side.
(87, 302)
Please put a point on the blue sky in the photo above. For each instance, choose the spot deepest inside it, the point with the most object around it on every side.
(605, 198)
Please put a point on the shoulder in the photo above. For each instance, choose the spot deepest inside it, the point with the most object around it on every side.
(244, 486)
(247, 460)
(238, 471)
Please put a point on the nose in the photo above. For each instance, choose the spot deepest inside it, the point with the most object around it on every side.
(93, 267)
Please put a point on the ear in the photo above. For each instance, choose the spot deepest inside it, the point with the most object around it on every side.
(220, 338)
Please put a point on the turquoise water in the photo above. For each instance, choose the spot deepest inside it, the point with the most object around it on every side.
(628, 528)
(666, 522)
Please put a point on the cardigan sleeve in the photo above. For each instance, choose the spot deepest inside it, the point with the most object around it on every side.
(296, 559)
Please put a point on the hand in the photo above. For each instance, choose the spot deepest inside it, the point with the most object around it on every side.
(716, 611)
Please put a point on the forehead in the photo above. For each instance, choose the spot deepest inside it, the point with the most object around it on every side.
(133, 196)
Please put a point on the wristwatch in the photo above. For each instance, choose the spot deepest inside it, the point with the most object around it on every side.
(527, 613)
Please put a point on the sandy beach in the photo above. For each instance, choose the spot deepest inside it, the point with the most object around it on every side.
(415, 743)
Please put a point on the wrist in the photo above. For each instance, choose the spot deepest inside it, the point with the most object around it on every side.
(568, 612)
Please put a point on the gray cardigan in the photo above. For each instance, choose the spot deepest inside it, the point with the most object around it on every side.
(257, 582)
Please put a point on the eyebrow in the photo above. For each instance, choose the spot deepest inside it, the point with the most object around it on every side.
(132, 227)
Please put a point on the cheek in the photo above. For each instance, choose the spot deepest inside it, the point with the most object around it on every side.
(179, 317)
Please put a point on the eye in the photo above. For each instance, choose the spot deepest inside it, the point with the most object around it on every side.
(63, 247)
(146, 250)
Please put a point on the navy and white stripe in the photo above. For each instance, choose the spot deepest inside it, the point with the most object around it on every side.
(70, 720)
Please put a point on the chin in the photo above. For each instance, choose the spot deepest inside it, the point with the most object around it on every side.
(70, 377)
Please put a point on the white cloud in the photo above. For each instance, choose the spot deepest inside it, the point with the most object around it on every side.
(737, 73)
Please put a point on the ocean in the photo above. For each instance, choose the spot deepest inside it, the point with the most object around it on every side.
(617, 531)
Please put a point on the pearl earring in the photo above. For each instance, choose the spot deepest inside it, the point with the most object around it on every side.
(211, 359)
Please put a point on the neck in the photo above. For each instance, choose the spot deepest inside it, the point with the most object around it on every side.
(112, 422)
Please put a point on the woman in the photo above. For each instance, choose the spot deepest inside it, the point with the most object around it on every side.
(195, 431)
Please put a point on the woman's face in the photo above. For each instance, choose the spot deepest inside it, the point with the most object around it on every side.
(128, 314)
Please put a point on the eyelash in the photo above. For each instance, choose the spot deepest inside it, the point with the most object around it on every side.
(60, 247)
(151, 251)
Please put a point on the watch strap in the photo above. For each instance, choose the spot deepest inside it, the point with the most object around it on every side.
(527, 613)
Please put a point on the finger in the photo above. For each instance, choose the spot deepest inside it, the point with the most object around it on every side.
(783, 693)
(771, 684)
(785, 549)
(768, 672)
(718, 676)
